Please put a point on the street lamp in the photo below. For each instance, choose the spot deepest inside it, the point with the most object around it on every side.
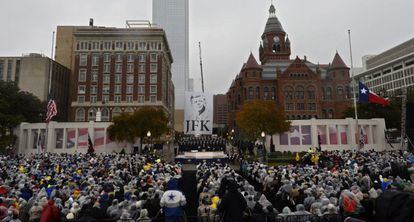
(264, 144)
(148, 134)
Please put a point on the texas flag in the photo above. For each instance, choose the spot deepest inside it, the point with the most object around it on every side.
(365, 96)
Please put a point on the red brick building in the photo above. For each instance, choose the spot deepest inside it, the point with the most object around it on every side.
(220, 111)
(303, 89)
(116, 70)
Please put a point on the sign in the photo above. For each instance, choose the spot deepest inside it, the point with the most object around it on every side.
(198, 114)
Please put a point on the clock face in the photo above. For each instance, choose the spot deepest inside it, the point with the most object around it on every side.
(276, 39)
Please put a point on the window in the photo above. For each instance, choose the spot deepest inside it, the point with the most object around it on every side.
(142, 57)
(141, 78)
(81, 89)
(141, 99)
(288, 93)
(141, 68)
(118, 68)
(130, 89)
(94, 89)
(17, 72)
(9, 70)
(117, 99)
(300, 106)
(266, 93)
(311, 93)
(153, 67)
(117, 89)
(107, 68)
(130, 46)
(118, 79)
(153, 89)
(82, 75)
(104, 114)
(116, 112)
(91, 114)
(107, 57)
(119, 45)
(130, 68)
(153, 57)
(130, 78)
(107, 46)
(1, 69)
(153, 99)
(81, 99)
(251, 93)
(340, 91)
(142, 46)
(289, 106)
(328, 93)
(95, 59)
(94, 76)
(93, 99)
(105, 99)
(83, 59)
(80, 115)
(141, 89)
(258, 92)
(105, 90)
(153, 78)
(106, 79)
(312, 106)
(299, 93)
(129, 99)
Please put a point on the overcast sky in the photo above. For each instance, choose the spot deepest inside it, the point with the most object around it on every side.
(228, 29)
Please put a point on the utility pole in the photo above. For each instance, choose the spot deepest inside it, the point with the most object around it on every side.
(201, 67)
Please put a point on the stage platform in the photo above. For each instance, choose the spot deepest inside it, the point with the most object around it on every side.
(197, 157)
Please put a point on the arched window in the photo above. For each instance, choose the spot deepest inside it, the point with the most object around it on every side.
(304, 117)
(273, 93)
(311, 93)
(92, 114)
(80, 115)
(116, 112)
(104, 115)
(298, 117)
(266, 93)
(324, 114)
(288, 93)
(245, 93)
(257, 92)
(340, 91)
(238, 99)
(251, 93)
(328, 92)
(129, 110)
(299, 92)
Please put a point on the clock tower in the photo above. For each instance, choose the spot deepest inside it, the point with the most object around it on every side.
(275, 43)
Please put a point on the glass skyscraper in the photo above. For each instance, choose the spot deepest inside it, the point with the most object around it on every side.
(172, 16)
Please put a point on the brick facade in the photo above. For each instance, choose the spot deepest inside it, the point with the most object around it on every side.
(303, 89)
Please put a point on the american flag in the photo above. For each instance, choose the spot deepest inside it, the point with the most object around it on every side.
(51, 109)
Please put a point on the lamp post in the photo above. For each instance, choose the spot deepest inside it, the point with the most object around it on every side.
(149, 138)
(264, 144)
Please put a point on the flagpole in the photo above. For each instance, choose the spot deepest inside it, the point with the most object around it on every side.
(354, 85)
(49, 86)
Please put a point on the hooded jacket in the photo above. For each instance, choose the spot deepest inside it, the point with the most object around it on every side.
(173, 200)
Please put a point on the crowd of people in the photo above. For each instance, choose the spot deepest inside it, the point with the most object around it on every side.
(201, 143)
(342, 182)
(80, 187)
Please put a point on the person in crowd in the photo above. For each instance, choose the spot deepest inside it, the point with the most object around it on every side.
(172, 202)
(233, 204)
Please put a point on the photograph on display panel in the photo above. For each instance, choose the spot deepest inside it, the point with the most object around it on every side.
(198, 114)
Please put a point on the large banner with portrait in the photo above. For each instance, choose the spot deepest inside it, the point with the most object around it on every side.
(198, 113)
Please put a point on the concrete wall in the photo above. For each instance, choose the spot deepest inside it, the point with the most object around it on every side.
(373, 129)
(34, 76)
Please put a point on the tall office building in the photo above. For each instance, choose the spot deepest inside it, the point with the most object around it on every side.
(391, 70)
(172, 16)
(31, 73)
